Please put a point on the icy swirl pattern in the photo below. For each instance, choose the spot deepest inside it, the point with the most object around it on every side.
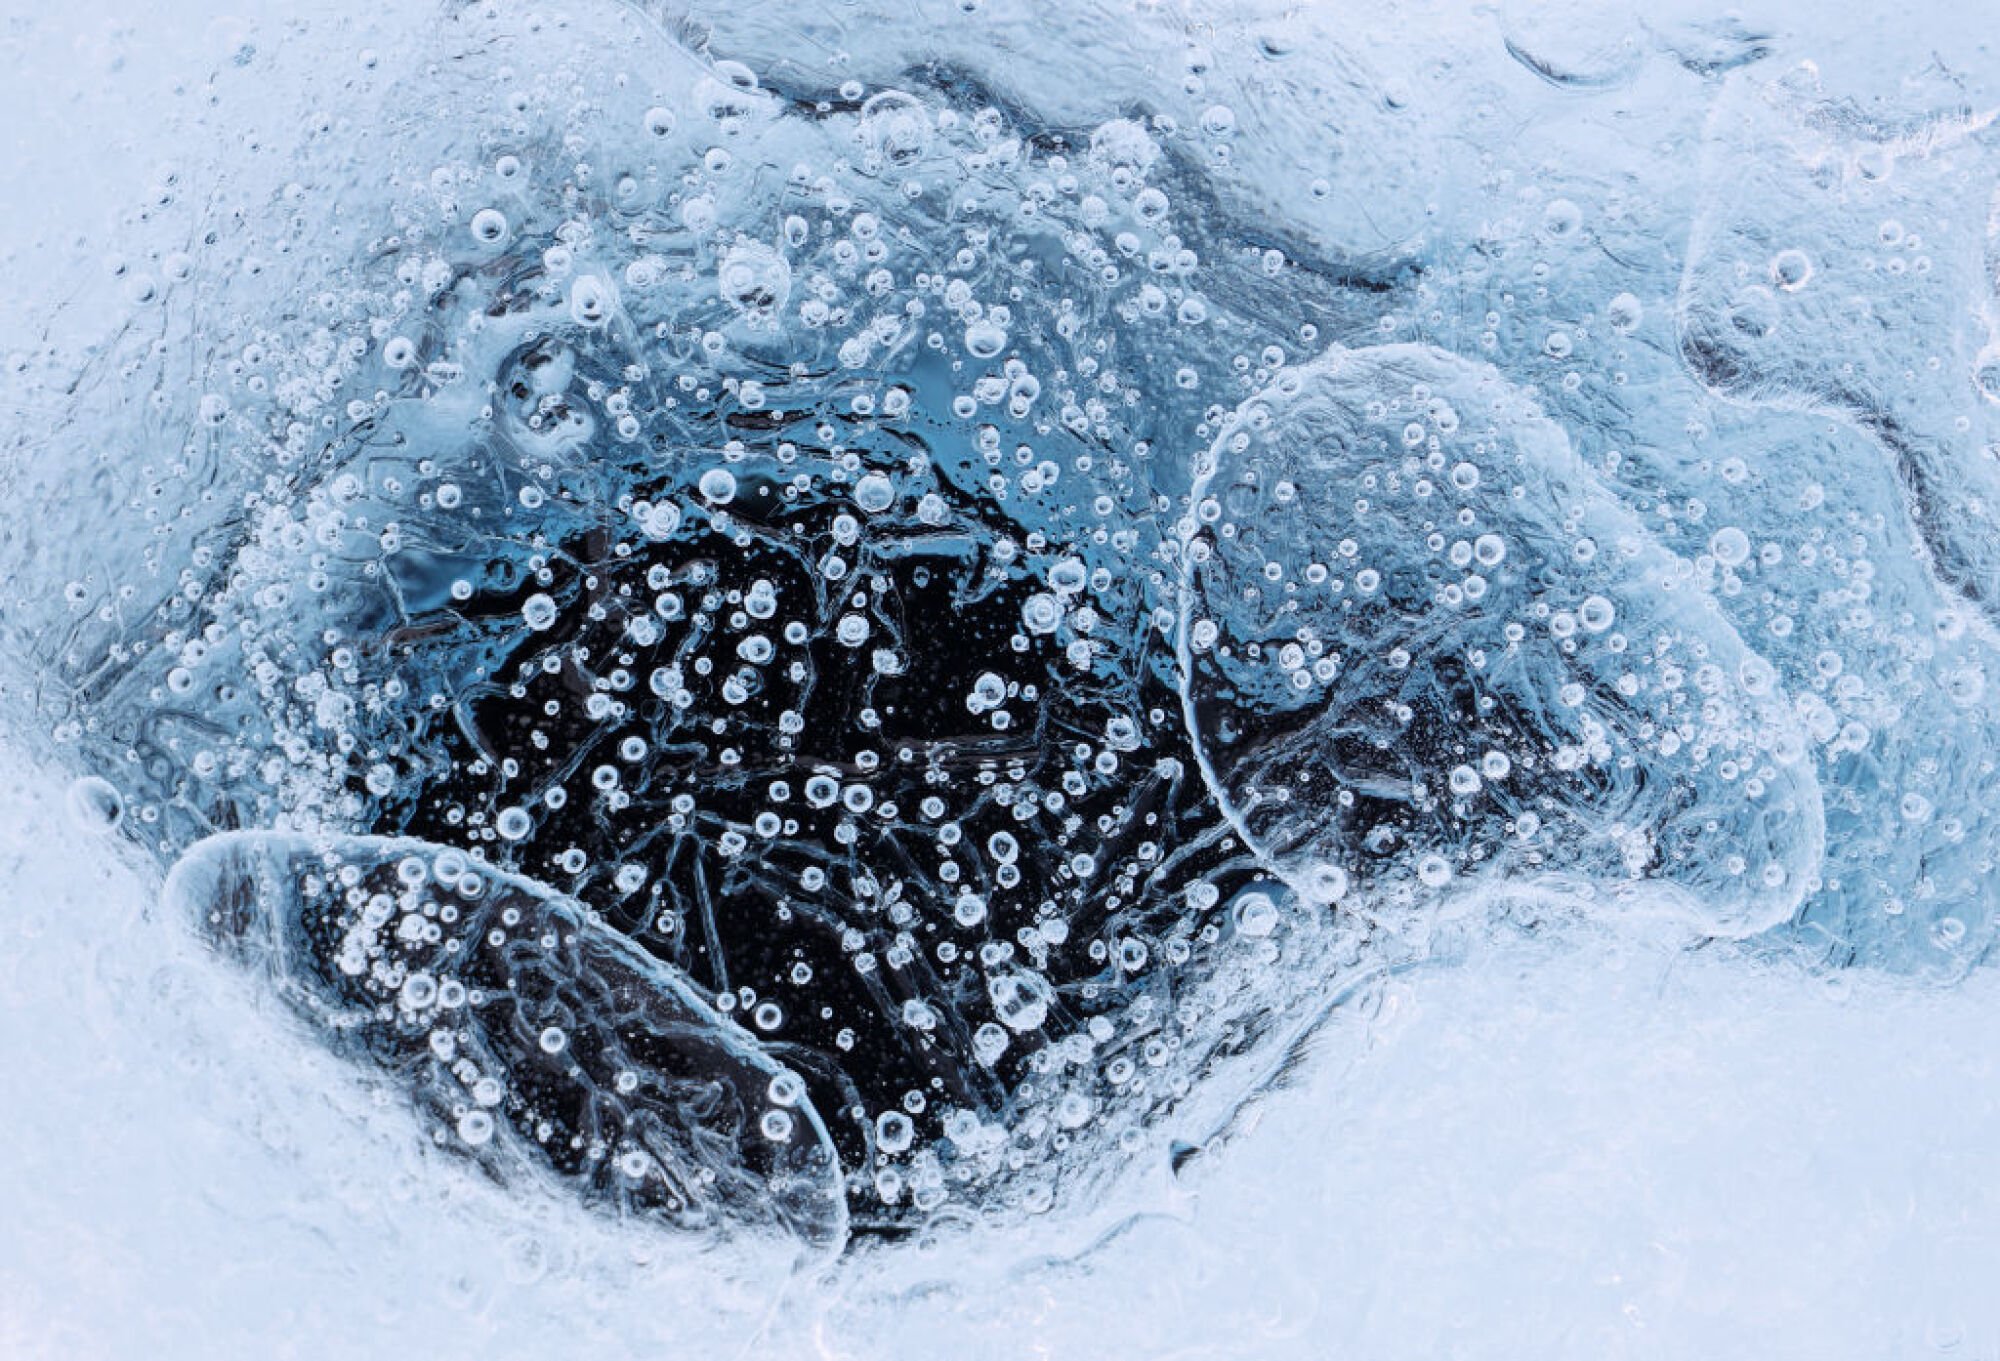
(826, 646)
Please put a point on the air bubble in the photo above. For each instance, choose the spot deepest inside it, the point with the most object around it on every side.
(489, 226)
(894, 1132)
(1256, 915)
(874, 493)
(1730, 546)
(984, 340)
(1791, 270)
(95, 804)
(538, 612)
(718, 485)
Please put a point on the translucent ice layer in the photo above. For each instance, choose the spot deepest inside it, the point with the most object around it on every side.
(520, 1024)
(1809, 241)
(1423, 644)
(849, 625)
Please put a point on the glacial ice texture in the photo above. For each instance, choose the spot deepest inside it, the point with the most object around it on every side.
(824, 646)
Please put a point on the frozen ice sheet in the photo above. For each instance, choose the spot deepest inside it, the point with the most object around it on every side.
(868, 678)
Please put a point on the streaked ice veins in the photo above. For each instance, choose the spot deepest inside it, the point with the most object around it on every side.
(841, 631)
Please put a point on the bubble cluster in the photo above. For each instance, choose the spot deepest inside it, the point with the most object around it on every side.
(1833, 281)
(784, 581)
(930, 631)
(1423, 643)
(522, 1027)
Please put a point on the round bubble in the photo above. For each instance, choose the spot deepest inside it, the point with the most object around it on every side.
(754, 279)
(95, 804)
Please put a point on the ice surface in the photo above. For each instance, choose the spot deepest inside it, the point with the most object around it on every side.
(519, 1024)
(1578, 1147)
(1493, 673)
(848, 680)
